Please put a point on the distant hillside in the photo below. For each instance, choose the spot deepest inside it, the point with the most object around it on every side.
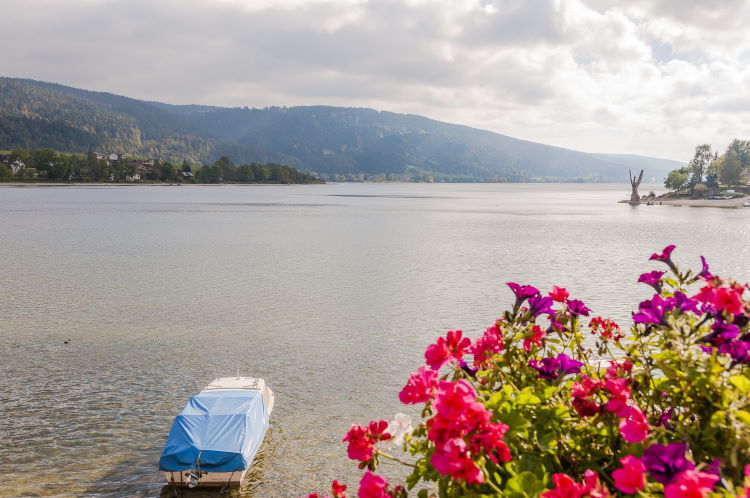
(322, 139)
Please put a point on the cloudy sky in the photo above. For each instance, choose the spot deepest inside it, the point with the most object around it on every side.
(653, 77)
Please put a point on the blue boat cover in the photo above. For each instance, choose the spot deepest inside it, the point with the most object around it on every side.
(225, 426)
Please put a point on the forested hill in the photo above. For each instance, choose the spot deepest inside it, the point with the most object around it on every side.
(322, 139)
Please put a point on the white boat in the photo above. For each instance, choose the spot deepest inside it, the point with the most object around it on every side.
(216, 436)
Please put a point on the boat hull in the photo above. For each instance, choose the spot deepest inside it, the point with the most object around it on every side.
(209, 479)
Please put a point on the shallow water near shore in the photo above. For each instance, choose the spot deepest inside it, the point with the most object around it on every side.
(329, 292)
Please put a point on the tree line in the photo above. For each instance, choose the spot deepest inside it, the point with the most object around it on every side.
(47, 164)
(707, 169)
(224, 170)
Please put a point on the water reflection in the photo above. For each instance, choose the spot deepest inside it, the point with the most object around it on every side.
(160, 290)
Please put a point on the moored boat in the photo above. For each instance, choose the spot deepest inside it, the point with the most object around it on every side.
(216, 436)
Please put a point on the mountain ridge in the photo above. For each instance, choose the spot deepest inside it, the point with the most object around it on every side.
(324, 139)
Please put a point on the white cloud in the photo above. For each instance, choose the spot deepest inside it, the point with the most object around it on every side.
(644, 76)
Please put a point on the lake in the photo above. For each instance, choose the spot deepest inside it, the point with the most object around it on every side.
(329, 292)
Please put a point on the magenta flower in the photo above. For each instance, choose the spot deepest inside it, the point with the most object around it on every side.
(653, 279)
(665, 256)
(705, 273)
(738, 350)
(722, 332)
(552, 368)
(539, 305)
(665, 462)
(630, 478)
(522, 292)
(653, 311)
(576, 307)
(664, 419)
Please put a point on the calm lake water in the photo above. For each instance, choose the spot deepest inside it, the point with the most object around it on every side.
(330, 293)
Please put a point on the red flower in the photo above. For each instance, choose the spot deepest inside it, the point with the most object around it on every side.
(362, 439)
(606, 328)
(420, 387)
(583, 396)
(559, 294)
(537, 334)
(565, 487)
(451, 348)
(338, 490)
(722, 298)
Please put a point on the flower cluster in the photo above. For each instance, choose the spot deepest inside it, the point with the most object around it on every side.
(536, 406)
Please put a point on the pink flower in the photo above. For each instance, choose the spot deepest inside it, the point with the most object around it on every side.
(620, 392)
(450, 348)
(420, 387)
(593, 486)
(452, 458)
(372, 486)
(559, 294)
(631, 477)
(537, 334)
(565, 487)
(453, 398)
(485, 347)
(691, 484)
(634, 427)
(490, 439)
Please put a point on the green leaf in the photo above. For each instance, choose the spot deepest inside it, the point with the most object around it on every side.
(524, 484)
(740, 382)
(742, 416)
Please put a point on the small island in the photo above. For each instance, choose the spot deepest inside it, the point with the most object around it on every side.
(47, 166)
(709, 180)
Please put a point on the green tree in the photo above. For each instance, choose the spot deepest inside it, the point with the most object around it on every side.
(20, 155)
(731, 168)
(678, 179)
(43, 159)
(741, 149)
(186, 166)
(702, 159)
(166, 172)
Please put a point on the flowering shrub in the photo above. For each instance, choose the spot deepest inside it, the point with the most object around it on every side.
(553, 402)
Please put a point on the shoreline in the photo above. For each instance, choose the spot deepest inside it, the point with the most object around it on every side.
(715, 203)
(101, 184)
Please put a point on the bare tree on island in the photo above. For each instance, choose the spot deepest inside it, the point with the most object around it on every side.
(634, 197)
